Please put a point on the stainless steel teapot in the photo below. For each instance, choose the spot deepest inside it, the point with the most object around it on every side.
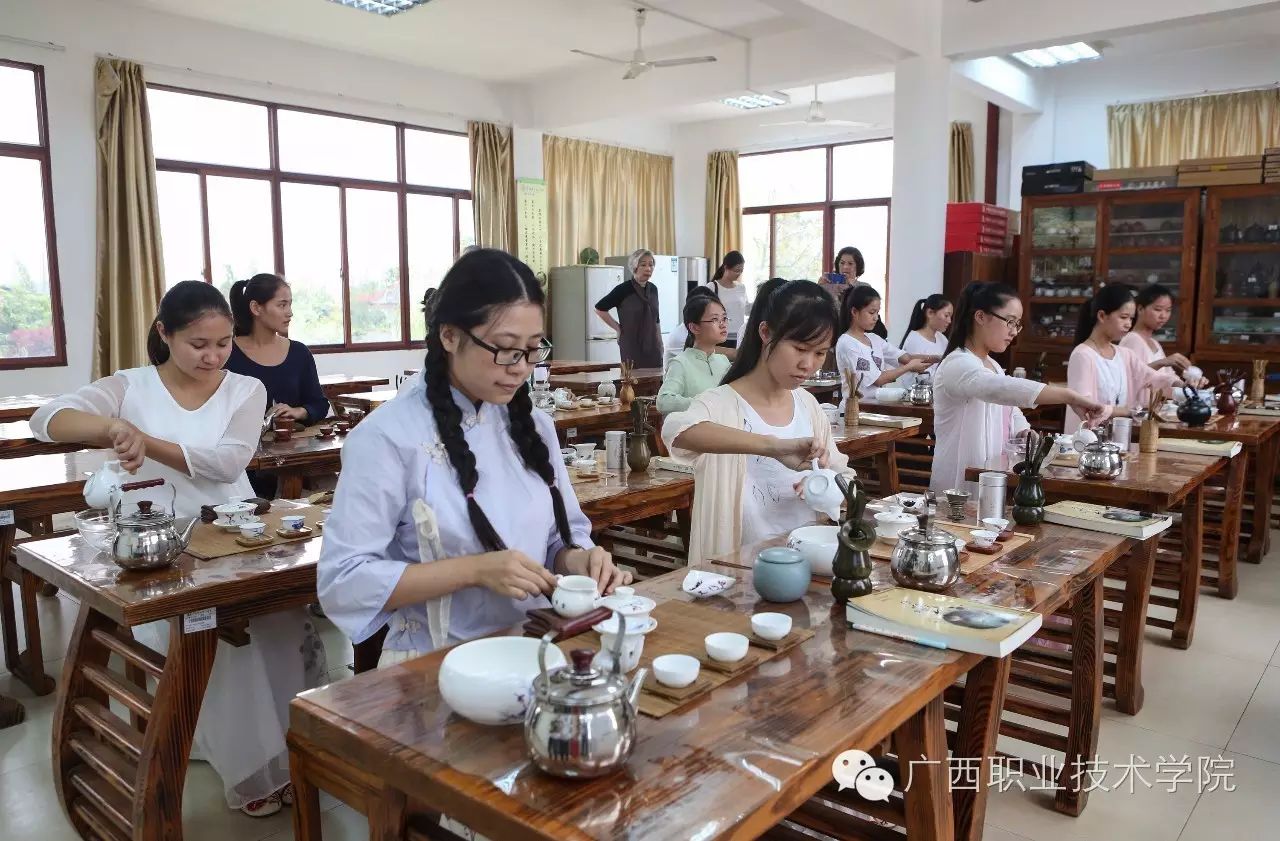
(1101, 460)
(582, 722)
(921, 391)
(925, 558)
(148, 539)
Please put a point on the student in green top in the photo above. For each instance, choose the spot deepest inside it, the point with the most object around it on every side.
(698, 367)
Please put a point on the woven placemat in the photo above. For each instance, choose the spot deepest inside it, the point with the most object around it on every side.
(209, 542)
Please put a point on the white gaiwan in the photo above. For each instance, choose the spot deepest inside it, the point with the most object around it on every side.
(818, 544)
(490, 681)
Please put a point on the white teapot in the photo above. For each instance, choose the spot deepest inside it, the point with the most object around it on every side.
(820, 491)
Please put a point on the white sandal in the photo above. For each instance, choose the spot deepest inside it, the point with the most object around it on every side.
(264, 808)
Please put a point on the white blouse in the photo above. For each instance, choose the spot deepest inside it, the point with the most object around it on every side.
(1113, 380)
(736, 305)
(770, 505)
(918, 344)
(869, 361)
(395, 457)
(974, 414)
(218, 439)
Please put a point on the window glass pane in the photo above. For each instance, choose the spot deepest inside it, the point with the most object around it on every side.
(437, 160)
(430, 226)
(208, 129)
(755, 249)
(867, 229)
(466, 224)
(862, 171)
(324, 145)
(180, 226)
(373, 265)
(798, 239)
(240, 240)
(18, 107)
(311, 230)
(26, 308)
(783, 177)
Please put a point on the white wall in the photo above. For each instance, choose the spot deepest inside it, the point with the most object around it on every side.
(285, 71)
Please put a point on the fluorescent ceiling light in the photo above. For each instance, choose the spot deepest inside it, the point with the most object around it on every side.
(753, 100)
(382, 8)
(1054, 56)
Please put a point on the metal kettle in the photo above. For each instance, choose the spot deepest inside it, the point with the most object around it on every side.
(148, 539)
(1101, 460)
(925, 558)
(921, 391)
(582, 722)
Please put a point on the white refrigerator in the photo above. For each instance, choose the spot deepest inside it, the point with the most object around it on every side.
(576, 331)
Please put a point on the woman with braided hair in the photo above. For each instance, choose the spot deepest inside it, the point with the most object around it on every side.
(465, 440)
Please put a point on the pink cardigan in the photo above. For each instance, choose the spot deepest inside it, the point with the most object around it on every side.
(1082, 376)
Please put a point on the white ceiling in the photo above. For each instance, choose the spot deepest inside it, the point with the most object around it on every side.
(493, 40)
(1218, 32)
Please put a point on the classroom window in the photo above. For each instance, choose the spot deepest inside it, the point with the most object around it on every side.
(31, 332)
(361, 216)
(802, 205)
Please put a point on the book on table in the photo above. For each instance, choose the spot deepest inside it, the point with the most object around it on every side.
(889, 421)
(1199, 447)
(1106, 518)
(942, 621)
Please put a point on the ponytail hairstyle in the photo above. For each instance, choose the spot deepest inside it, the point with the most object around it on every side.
(977, 297)
(258, 289)
(859, 264)
(1108, 299)
(1151, 293)
(183, 305)
(795, 310)
(855, 297)
(695, 306)
(479, 285)
(732, 259)
(919, 313)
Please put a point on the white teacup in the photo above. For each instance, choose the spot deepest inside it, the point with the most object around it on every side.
(574, 595)
(252, 531)
(585, 466)
(983, 537)
(585, 450)
(890, 524)
(995, 524)
(293, 522)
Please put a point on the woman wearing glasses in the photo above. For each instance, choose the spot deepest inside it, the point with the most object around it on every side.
(976, 408)
(465, 442)
(698, 367)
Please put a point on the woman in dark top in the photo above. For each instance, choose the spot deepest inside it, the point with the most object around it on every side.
(638, 325)
(262, 307)
(849, 265)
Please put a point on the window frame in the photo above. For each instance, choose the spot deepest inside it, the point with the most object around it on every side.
(41, 154)
(277, 176)
(828, 205)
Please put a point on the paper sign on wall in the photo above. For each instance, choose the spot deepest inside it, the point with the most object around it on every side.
(531, 224)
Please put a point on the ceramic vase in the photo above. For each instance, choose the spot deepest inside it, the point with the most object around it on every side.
(627, 394)
(851, 570)
(638, 453)
(781, 574)
(1028, 500)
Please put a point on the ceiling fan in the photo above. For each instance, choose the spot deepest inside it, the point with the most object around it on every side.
(817, 117)
(637, 65)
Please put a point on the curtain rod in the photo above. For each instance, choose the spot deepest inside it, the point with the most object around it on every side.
(293, 89)
(1203, 93)
(27, 42)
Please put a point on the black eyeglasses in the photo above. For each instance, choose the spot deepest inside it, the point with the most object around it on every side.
(724, 319)
(513, 355)
(1014, 324)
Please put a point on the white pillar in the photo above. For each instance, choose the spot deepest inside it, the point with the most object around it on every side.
(921, 139)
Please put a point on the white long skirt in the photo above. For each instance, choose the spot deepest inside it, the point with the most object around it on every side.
(245, 712)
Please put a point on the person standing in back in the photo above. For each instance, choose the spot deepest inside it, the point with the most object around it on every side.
(732, 293)
(638, 325)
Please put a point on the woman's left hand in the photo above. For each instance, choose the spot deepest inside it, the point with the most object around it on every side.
(283, 410)
(598, 564)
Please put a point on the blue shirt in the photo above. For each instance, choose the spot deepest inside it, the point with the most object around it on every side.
(395, 457)
(293, 382)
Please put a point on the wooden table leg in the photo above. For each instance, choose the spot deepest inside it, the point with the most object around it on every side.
(887, 467)
(1133, 623)
(27, 664)
(976, 734)
(388, 818)
(1184, 622)
(1086, 698)
(8, 615)
(306, 797)
(108, 774)
(1264, 477)
(922, 738)
(288, 484)
(1229, 550)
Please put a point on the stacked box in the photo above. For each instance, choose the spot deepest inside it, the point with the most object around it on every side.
(978, 227)
(1271, 165)
(1133, 178)
(1209, 172)
(1057, 179)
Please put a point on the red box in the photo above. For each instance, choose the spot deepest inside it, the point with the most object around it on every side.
(972, 211)
(984, 228)
(979, 245)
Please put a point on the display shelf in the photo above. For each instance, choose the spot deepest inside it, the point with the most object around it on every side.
(1231, 325)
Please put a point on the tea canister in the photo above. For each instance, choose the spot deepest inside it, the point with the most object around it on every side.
(781, 574)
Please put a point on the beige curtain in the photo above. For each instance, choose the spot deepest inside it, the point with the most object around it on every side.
(493, 186)
(1167, 132)
(130, 270)
(960, 181)
(612, 199)
(724, 206)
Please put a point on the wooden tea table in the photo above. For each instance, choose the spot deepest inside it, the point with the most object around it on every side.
(365, 401)
(17, 440)
(297, 459)
(877, 443)
(1060, 575)
(733, 765)
(1163, 483)
(119, 778)
(580, 366)
(647, 381)
(1260, 440)
(572, 425)
(22, 406)
(335, 384)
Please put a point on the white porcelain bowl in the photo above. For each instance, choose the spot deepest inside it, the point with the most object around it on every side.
(727, 647)
(771, 626)
(890, 394)
(984, 537)
(890, 524)
(490, 681)
(996, 524)
(676, 670)
(818, 544)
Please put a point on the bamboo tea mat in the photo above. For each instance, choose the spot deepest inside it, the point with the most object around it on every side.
(209, 542)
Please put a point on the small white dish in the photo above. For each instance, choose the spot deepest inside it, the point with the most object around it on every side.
(996, 524)
(233, 525)
(700, 584)
(771, 626)
(727, 647)
(676, 670)
(984, 537)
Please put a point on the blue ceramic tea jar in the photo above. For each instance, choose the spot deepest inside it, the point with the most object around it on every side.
(781, 574)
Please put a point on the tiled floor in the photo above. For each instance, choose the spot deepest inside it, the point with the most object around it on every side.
(1219, 699)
